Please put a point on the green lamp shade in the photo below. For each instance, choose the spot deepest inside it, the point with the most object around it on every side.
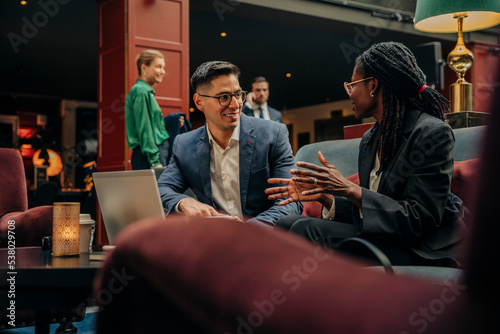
(437, 15)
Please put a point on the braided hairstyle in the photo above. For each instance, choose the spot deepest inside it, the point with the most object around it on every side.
(396, 69)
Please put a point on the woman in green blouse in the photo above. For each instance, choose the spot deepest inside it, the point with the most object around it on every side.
(146, 133)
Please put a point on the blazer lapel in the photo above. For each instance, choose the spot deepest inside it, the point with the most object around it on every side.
(367, 153)
(408, 125)
(203, 158)
(247, 149)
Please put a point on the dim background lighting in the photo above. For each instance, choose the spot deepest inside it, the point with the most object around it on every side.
(288, 75)
(191, 109)
(223, 34)
(24, 2)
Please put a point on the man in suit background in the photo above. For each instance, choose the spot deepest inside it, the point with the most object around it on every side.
(256, 105)
(227, 162)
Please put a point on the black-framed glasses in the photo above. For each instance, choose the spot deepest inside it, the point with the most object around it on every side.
(225, 99)
(349, 85)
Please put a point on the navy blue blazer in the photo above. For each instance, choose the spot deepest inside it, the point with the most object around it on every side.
(274, 114)
(265, 153)
(413, 203)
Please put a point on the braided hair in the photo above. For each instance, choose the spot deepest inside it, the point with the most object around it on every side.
(396, 69)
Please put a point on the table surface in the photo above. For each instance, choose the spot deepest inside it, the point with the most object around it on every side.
(46, 282)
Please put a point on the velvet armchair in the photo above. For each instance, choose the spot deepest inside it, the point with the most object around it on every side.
(30, 225)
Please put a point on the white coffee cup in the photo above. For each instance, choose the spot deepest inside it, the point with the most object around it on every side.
(87, 227)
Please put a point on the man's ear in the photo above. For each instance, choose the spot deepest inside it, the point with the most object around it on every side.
(198, 101)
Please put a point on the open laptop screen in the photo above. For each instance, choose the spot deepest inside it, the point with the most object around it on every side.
(125, 197)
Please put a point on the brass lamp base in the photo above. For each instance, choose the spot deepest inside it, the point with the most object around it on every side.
(461, 97)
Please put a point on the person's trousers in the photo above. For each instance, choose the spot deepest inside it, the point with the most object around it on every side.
(320, 231)
(328, 233)
(140, 160)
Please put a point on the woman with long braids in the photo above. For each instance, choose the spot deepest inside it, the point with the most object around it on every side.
(403, 203)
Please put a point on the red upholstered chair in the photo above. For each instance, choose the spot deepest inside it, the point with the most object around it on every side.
(30, 225)
(218, 276)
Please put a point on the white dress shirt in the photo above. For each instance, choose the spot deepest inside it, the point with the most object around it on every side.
(225, 174)
(256, 111)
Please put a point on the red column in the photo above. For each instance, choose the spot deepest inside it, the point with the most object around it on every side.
(125, 29)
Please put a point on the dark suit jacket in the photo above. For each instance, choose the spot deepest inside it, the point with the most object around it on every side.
(173, 126)
(265, 152)
(274, 114)
(413, 203)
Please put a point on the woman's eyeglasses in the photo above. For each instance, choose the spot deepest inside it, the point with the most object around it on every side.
(225, 99)
(349, 85)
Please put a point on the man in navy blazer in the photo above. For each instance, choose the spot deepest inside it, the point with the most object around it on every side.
(257, 106)
(227, 162)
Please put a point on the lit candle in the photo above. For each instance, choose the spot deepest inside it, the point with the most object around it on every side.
(66, 229)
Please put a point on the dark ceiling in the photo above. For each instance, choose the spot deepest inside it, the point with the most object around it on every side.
(52, 54)
(58, 58)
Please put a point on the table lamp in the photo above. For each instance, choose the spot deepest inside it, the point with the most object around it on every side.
(446, 16)
(55, 162)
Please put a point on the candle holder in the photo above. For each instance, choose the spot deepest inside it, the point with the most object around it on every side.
(66, 229)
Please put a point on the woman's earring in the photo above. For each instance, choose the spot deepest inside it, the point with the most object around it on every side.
(372, 94)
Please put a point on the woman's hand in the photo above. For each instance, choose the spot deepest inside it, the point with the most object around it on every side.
(293, 190)
(328, 180)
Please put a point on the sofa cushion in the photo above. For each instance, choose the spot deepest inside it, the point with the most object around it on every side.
(342, 153)
(464, 179)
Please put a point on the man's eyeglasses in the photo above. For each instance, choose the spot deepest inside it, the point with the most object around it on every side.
(225, 99)
(349, 85)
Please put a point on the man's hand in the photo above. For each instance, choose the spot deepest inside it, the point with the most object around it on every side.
(250, 98)
(192, 208)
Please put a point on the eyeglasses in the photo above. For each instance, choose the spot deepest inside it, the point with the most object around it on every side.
(349, 85)
(225, 99)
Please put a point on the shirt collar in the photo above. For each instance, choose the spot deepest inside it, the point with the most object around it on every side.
(256, 106)
(235, 136)
(145, 85)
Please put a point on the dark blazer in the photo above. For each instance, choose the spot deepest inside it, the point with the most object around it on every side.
(173, 126)
(265, 153)
(274, 114)
(413, 203)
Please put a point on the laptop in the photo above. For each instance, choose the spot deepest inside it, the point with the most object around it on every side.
(126, 197)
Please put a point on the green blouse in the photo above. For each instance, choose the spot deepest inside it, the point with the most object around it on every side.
(144, 121)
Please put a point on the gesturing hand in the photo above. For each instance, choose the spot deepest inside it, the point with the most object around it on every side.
(329, 181)
(293, 190)
(327, 178)
(319, 183)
